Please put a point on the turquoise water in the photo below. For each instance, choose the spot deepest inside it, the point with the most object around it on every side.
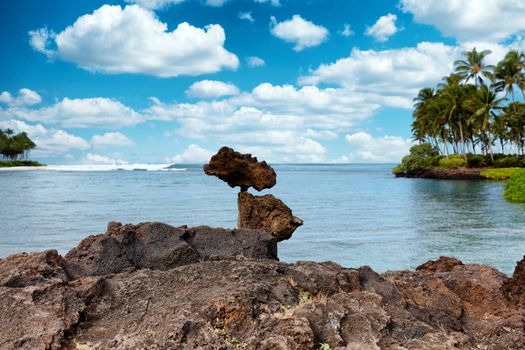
(353, 214)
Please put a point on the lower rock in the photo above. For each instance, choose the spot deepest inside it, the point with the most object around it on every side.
(267, 213)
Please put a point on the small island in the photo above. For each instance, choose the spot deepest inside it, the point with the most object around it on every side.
(461, 122)
(15, 149)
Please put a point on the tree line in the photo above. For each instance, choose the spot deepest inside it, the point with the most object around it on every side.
(15, 146)
(475, 108)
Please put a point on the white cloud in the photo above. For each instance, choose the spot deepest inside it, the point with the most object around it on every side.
(111, 139)
(299, 31)
(100, 42)
(321, 134)
(160, 4)
(386, 149)
(192, 154)
(50, 142)
(98, 159)
(272, 2)
(211, 89)
(155, 4)
(77, 113)
(396, 74)
(384, 28)
(26, 97)
(40, 40)
(347, 30)
(470, 20)
(215, 3)
(254, 61)
(247, 16)
(281, 123)
(87, 112)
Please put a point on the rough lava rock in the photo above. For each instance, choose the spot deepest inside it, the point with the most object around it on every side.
(514, 287)
(160, 246)
(245, 301)
(241, 170)
(268, 214)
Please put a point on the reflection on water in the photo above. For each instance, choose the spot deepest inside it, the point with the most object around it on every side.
(354, 214)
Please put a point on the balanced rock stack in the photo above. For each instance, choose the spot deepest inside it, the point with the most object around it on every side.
(265, 213)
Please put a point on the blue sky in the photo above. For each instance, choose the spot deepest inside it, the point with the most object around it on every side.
(165, 81)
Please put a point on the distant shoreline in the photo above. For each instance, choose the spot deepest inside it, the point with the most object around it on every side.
(23, 168)
(447, 174)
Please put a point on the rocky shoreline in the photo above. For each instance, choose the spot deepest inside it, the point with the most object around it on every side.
(154, 286)
(446, 174)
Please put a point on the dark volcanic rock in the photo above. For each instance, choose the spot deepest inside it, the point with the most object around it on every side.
(514, 287)
(160, 246)
(22, 270)
(37, 306)
(241, 170)
(443, 264)
(266, 213)
(224, 301)
(447, 174)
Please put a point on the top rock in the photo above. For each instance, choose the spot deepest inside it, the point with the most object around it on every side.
(241, 170)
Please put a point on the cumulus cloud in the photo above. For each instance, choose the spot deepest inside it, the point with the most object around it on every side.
(155, 4)
(99, 42)
(211, 89)
(384, 28)
(299, 31)
(396, 74)
(470, 20)
(50, 142)
(87, 112)
(161, 4)
(254, 61)
(111, 139)
(247, 16)
(77, 113)
(272, 2)
(347, 30)
(386, 149)
(25, 97)
(192, 154)
(98, 159)
(280, 122)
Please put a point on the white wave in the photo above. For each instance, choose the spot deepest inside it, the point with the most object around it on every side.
(113, 167)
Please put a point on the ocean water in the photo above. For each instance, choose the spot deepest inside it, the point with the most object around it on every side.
(353, 214)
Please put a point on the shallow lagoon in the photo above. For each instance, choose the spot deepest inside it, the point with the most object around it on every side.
(354, 214)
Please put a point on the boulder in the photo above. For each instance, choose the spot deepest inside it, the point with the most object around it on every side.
(266, 213)
(443, 264)
(241, 170)
(159, 246)
(514, 287)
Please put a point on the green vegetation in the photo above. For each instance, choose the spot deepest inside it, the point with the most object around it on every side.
(421, 156)
(15, 148)
(453, 162)
(499, 174)
(13, 163)
(515, 187)
(466, 115)
(324, 346)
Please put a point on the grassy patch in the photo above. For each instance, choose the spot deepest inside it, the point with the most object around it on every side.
(515, 187)
(453, 162)
(15, 163)
(499, 173)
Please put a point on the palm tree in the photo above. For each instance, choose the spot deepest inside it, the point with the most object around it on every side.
(509, 73)
(473, 67)
(453, 99)
(484, 103)
(420, 126)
